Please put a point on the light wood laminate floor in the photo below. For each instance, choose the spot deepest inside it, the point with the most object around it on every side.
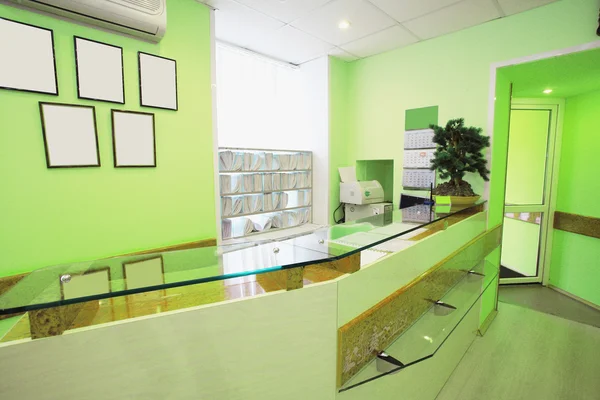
(529, 355)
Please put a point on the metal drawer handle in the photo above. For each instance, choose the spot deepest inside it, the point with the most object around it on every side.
(386, 363)
(442, 304)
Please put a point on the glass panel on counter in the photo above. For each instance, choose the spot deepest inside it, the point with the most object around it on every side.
(424, 337)
(372, 237)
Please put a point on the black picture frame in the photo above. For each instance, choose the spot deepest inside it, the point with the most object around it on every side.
(44, 134)
(53, 58)
(140, 53)
(75, 38)
(112, 117)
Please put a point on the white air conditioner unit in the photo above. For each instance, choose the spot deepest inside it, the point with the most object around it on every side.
(142, 18)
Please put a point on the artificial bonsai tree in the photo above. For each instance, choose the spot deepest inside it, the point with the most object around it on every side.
(459, 151)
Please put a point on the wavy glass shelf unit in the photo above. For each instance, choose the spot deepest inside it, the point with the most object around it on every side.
(427, 335)
(264, 190)
(266, 260)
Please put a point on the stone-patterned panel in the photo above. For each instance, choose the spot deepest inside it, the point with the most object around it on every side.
(377, 328)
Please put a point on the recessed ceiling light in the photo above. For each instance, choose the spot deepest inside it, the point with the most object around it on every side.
(548, 91)
(344, 24)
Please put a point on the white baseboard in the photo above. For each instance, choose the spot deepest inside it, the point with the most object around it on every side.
(579, 299)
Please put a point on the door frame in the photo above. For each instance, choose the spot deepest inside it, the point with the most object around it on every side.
(557, 108)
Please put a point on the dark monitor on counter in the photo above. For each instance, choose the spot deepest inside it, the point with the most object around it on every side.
(409, 201)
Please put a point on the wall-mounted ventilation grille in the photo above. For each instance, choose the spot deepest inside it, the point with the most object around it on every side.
(149, 5)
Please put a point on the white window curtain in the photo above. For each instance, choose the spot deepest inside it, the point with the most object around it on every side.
(260, 103)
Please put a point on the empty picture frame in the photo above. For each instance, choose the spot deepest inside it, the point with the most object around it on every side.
(89, 283)
(134, 143)
(158, 81)
(99, 71)
(28, 62)
(70, 135)
(144, 273)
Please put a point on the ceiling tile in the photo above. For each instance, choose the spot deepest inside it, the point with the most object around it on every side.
(291, 45)
(343, 55)
(284, 10)
(404, 10)
(516, 6)
(388, 39)
(240, 25)
(364, 18)
(451, 19)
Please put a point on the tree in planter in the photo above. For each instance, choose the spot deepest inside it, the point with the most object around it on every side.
(459, 151)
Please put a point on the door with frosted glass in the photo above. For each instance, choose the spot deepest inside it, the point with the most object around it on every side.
(527, 202)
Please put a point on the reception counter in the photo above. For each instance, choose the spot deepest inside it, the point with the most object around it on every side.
(378, 308)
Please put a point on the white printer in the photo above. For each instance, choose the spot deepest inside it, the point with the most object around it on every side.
(361, 199)
(367, 192)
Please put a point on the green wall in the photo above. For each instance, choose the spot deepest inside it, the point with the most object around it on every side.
(340, 142)
(66, 215)
(453, 72)
(574, 266)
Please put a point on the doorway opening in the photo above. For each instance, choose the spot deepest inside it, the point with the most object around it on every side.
(546, 91)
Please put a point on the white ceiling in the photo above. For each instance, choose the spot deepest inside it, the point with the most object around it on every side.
(297, 31)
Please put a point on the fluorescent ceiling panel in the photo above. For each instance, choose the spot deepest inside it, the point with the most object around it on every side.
(404, 10)
(364, 17)
(459, 16)
(379, 42)
(287, 10)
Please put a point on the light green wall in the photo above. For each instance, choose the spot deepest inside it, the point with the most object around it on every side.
(340, 142)
(574, 266)
(453, 72)
(579, 163)
(65, 215)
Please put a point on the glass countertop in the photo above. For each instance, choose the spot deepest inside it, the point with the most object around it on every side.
(124, 275)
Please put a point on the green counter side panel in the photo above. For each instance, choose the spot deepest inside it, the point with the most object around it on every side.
(57, 216)
(489, 299)
(421, 118)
